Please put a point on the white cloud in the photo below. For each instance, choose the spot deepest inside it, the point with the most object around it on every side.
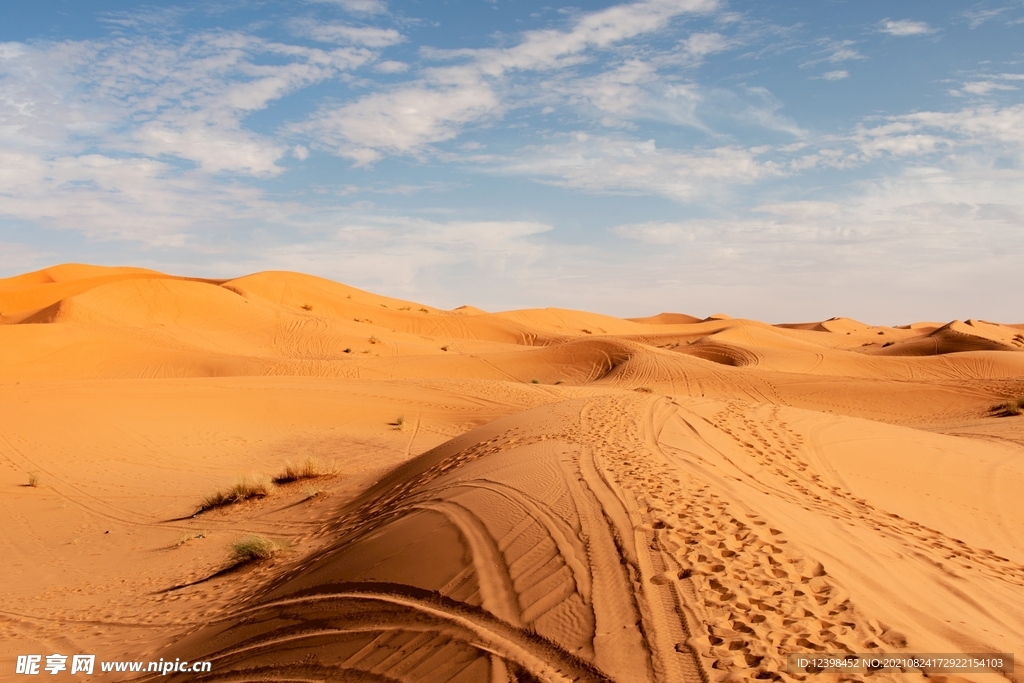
(834, 52)
(617, 92)
(436, 107)
(128, 198)
(700, 44)
(357, 6)
(158, 99)
(991, 130)
(905, 27)
(401, 121)
(976, 18)
(343, 34)
(606, 164)
(143, 139)
(391, 67)
(835, 75)
(993, 83)
(408, 255)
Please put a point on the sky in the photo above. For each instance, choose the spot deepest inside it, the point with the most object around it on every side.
(780, 161)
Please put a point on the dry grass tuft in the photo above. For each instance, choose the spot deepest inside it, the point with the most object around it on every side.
(307, 307)
(374, 340)
(253, 548)
(309, 468)
(644, 390)
(1011, 408)
(249, 487)
(33, 480)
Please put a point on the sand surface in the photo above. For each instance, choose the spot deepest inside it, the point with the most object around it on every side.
(533, 495)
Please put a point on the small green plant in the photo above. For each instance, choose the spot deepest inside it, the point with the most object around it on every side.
(249, 487)
(309, 468)
(307, 307)
(33, 480)
(253, 548)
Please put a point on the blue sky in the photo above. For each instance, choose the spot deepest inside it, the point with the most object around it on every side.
(786, 162)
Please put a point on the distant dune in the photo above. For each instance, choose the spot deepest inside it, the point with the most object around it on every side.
(531, 495)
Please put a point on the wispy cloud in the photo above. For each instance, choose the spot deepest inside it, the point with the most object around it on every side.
(443, 100)
(357, 6)
(905, 27)
(837, 75)
(834, 52)
(988, 85)
(344, 34)
(608, 164)
(977, 17)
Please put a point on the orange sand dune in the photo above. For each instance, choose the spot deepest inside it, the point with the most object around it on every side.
(530, 495)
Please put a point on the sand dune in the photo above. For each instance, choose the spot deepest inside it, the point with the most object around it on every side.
(533, 495)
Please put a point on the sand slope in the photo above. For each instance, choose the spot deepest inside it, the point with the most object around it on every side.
(544, 495)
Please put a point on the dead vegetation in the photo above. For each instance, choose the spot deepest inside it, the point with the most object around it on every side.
(309, 468)
(253, 548)
(1011, 408)
(253, 486)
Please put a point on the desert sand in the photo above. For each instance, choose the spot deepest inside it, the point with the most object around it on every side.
(531, 495)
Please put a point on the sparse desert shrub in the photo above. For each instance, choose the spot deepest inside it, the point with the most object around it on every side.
(374, 340)
(346, 350)
(888, 343)
(33, 479)
(424, 310)
(1010, 408)
(252, 548)
(444, 348)
(644, 390)
(187, 536)
(405, 308)
(249, 487)
(586, 331)
(307, 307)
(534, 381)
(309, 468)
(399, 422)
